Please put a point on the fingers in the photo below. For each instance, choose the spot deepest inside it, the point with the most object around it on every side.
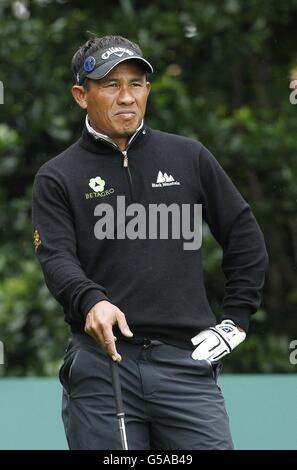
(200, 338)
(123, 325)
(206, 344)
(109, 344)
(92, 331)
(109, 338)
(212, 349)
(106, 339)
(99, 322)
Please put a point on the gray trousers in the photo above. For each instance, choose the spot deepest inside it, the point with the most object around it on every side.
(171, 401)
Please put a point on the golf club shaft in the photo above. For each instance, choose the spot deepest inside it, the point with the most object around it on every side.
(119, 402)
(122, 427)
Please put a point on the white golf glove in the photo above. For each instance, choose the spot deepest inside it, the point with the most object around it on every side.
(215, 342)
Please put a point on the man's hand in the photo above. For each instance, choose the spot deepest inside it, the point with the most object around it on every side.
(217, 341)
(99, 322)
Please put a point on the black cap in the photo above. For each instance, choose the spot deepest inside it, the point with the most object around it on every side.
(99, 64)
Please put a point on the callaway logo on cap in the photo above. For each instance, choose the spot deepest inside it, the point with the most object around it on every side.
(101, 62)
(118, 51)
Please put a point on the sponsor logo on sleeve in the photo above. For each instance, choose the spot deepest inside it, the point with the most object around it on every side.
(36, 239)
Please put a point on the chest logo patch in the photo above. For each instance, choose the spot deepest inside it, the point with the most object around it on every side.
(97, 184)
(163, 179)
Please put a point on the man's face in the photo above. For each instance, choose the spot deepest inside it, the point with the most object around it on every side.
(116, 103)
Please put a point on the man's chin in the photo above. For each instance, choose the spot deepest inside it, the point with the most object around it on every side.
(127, 131)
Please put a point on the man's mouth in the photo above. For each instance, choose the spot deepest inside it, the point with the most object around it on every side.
(126, 114)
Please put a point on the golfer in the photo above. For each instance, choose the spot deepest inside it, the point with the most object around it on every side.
(116, 229)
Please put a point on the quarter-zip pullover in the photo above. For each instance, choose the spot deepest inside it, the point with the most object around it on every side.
(155, 282)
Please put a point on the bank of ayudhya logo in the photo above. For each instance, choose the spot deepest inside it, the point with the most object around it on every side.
(155, 221)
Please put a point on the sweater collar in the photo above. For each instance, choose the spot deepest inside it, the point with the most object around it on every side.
(99, 143)
(105, 138)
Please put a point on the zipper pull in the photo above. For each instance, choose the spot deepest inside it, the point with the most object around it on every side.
(125, 162)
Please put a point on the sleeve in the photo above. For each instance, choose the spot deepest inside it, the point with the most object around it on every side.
(55, 245)
(233, 225)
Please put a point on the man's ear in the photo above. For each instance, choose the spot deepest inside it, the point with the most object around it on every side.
(79, 94)
(148, 88)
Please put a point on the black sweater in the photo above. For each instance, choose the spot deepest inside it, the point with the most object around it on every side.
(156, 283)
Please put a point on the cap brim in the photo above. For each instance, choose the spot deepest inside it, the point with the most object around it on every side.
(104, 69)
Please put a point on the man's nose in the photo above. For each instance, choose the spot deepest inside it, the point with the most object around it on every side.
(125, 96)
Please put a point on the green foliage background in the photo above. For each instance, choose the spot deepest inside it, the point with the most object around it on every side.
(222, 76)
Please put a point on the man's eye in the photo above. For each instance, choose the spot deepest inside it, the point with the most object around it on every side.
(112, 85)
(137, 84)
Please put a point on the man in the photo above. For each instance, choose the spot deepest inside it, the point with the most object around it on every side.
(130, 292)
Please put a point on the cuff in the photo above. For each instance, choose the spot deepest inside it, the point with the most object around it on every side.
(240, 316)
(89, 299)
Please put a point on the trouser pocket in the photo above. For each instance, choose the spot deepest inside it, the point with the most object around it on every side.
(67, 366)
(216, 370)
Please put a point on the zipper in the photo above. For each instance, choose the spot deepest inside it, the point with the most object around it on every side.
(125, 162)
(125, 155)
(128, 173)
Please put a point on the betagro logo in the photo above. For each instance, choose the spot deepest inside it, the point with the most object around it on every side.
(98, 186)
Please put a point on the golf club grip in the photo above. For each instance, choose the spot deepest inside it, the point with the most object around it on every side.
(115, 375)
